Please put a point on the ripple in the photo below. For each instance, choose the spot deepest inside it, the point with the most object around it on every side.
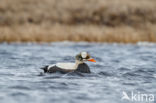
(131, 74)
(75, 73)
(105, 74)
(18, 94)
(130, 84)
(118, 67)
(20, 87)
(124, 69)
(52, 77)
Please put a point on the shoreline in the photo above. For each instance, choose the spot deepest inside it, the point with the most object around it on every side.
(82, 43)
(79, 42)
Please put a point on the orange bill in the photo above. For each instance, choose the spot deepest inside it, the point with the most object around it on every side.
(91, 60)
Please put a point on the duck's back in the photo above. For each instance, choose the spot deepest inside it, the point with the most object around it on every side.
(59, 67)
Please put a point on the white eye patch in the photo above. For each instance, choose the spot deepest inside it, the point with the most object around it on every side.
(83, 54)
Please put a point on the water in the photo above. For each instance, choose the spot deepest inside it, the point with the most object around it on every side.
(118, 68)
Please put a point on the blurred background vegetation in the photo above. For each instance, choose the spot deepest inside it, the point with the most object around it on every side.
(127, 21)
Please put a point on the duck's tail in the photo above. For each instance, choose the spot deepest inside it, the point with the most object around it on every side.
(45, 69)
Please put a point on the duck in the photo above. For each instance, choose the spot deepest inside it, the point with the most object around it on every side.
(78, 66)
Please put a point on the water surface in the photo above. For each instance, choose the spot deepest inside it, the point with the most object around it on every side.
(119, 67)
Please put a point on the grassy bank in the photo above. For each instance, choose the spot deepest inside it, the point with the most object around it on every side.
(91, 33)
(78, 20)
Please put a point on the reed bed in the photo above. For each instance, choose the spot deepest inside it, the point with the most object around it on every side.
(90, 33)
(78, 20)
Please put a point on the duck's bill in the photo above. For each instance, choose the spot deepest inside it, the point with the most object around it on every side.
(91, 60)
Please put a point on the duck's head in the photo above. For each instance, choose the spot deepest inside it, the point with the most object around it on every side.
(84, 56)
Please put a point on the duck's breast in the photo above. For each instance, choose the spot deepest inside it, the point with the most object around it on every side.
(83, 68)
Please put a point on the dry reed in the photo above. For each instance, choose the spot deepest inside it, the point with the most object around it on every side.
(90, 33)
(78, 20)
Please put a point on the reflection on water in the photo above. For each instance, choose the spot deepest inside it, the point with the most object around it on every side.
(118, 68)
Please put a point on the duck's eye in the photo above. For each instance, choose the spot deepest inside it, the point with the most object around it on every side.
(78, 57)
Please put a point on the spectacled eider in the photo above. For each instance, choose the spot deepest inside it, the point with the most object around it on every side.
(79, 65)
